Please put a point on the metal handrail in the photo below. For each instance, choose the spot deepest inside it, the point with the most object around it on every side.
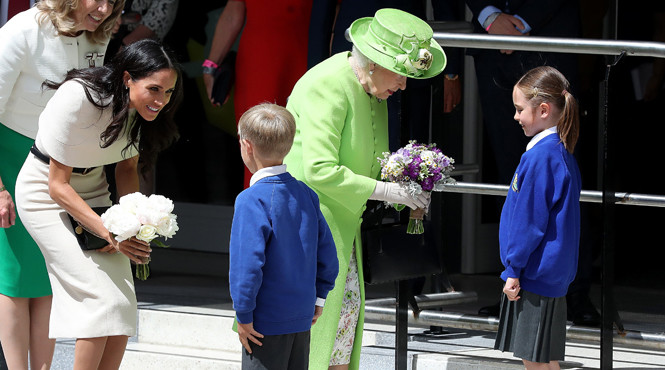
(552, 44)
(591, 196)
(483, 323)
(429, 300)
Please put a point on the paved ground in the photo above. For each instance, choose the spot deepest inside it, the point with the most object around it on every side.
(642, 309)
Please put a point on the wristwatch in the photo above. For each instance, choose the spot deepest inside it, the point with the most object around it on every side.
(208, 70)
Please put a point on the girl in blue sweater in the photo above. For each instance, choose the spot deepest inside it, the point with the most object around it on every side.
(540, 222)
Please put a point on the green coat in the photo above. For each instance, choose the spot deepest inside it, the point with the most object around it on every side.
(340, 133)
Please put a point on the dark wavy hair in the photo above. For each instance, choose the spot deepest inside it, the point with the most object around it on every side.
(104, 87)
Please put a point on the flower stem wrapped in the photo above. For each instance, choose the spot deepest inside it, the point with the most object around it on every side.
(415, 225)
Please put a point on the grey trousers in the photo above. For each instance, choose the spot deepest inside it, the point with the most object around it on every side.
(278, 352)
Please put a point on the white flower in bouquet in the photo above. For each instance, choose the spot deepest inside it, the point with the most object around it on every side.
(147, 233)
(121, 222)
(429, 158)
(168, 227)
(150, 216)
(144, 218)
(133, 202)
(160, 203)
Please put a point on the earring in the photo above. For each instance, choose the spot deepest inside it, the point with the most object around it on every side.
(371, 72)
(126, 87)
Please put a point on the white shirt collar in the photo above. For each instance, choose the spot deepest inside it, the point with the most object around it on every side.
(266, 172)
(540, 135)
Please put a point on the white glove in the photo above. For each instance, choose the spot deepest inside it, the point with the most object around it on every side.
(392, 192)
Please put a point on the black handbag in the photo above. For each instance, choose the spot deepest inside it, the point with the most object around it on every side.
(390, 254)
(87, 240)
(223, 78)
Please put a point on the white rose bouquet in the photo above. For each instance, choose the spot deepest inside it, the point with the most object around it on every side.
(145, 218)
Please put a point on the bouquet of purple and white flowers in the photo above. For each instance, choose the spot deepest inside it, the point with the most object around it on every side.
(418, 168)
(144, 218)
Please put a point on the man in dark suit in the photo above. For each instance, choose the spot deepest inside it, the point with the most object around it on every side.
(497, 72)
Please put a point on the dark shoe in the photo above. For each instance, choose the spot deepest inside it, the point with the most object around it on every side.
(581, 310)
(492, 310)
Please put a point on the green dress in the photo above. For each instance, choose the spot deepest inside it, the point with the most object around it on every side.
(22, 269)
(340, 133)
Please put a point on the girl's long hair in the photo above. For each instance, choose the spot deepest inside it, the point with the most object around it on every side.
(105, 89)
(547, 84)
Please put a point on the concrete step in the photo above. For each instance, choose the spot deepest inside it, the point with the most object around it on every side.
(145, 356)
(192, 327)
(184, 337)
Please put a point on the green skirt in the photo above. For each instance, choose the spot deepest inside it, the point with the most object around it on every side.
(22, 268)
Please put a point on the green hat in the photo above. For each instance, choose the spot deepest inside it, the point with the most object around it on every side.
(399, 42)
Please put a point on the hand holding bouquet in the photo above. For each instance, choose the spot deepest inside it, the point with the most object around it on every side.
(142, 217)
(418, 168)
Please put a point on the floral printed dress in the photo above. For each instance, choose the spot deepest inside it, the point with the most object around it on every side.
(346, 331)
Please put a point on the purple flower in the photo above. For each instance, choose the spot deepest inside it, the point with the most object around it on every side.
(427, 184)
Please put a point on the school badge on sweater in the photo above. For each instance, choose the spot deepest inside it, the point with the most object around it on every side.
(514, 184)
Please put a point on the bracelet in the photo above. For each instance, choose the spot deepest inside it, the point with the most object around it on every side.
(2, 188)
(210, 63)
(451, 77)
(209, 67)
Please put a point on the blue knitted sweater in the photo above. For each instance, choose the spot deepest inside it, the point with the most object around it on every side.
(540, 221)
(282, 255)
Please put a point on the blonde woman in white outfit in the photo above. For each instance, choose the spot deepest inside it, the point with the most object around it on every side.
(97, 116)
(43, 42)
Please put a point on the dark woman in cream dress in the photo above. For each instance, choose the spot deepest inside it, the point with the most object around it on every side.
(96, 117)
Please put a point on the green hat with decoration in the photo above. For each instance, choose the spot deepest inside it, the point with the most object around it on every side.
(399, 42)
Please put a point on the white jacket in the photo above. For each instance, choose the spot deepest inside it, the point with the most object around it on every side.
(29, 54)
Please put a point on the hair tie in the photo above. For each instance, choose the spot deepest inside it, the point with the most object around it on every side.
(564, 92)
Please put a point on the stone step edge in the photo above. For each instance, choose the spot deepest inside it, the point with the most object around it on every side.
(142, 348)
(191, 330)
(221, 338)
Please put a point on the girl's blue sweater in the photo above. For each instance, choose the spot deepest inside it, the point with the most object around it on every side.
(282, 255)
(540, 222)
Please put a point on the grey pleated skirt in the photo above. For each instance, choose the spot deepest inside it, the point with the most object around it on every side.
(533, 327)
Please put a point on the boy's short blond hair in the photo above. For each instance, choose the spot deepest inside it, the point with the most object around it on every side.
(270, 128)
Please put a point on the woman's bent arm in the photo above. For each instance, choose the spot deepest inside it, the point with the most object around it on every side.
(66, 197)
(126, 176)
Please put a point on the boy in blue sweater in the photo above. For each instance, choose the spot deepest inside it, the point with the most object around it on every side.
(283, 260)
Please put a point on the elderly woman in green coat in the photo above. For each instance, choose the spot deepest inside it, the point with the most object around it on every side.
(342, 127)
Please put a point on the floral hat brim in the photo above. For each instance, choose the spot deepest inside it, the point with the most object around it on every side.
(399, 42)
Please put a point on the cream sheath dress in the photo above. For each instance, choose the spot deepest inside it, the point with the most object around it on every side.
(93, 292)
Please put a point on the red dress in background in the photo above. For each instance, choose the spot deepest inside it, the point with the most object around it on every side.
(272, 53)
